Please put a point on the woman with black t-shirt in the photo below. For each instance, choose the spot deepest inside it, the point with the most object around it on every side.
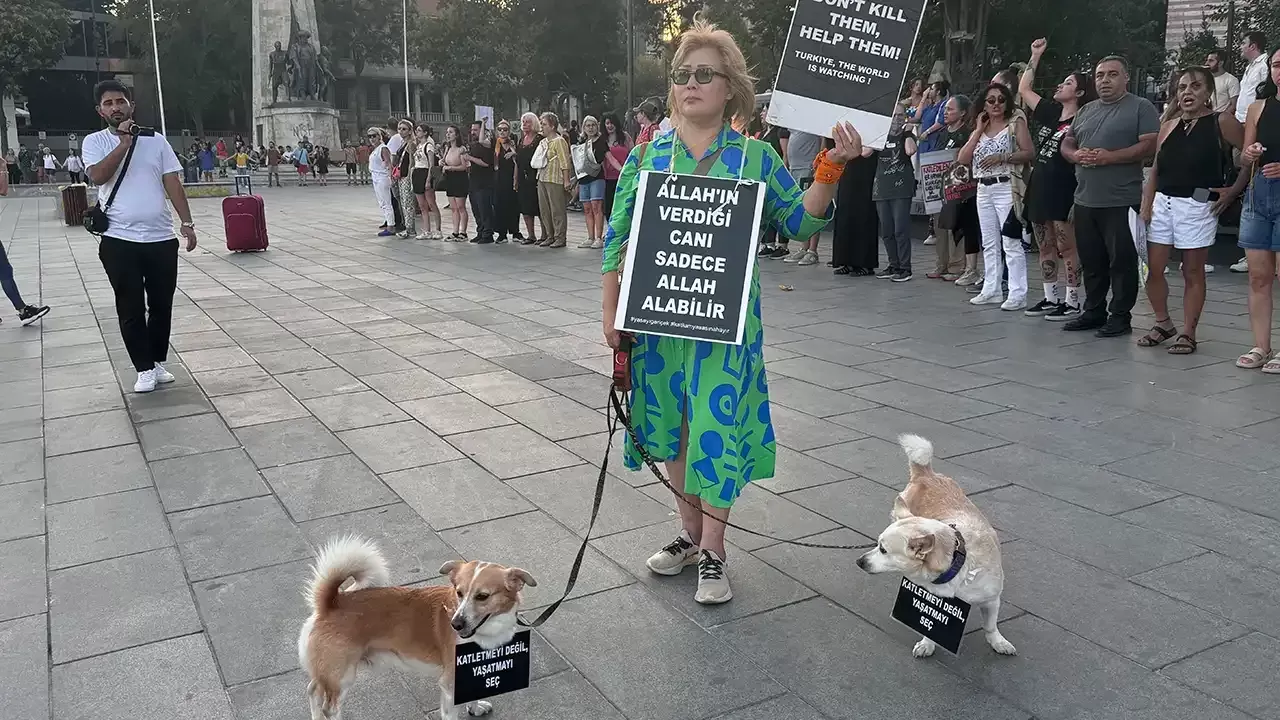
(895, 185)
(1052, 188)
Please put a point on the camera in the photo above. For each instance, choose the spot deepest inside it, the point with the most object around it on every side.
(140, 131)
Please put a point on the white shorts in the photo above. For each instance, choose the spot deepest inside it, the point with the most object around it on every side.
(1183, 223)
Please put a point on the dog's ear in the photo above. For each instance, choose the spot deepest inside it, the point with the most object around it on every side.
(450, 567)
(920, 545)
(517, 579)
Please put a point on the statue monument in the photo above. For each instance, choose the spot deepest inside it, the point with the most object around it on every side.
(292, 76)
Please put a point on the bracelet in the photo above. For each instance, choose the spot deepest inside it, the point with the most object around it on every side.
(825, 171)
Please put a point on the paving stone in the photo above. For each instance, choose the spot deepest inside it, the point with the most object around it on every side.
(456, 364)
(21, 423)
(206, 479)
(82, 400)
(253, 619)
(65, 338)
(540, 545)
(23, 460)
(587, 389)
(1252, 491)
(935, 404)
(371, 362)
(69, 376)
(1159, 433)
(188, 342)
(454, 413)
(1237, 673)
(107, 526)
(96, 472)
(1136, 623)
(501, 388)
(417, 344)
(354, 410)
(87, 432)
(513, 451)
(23, 393)
(813, 399)
(377, 693)
(105, 606)
(888, 423)
(22, 510)
(258, 408)
(170, 680)
(795, 470)
(185, 436)
(1222, 586)
(788, 706)
(759, 510)
(540, 366)
(411, 384)
(799, 431)
(567, 495)
(327, 487)
(23, 590)
(856, 503)
(216, 359)
(229, 381)
(939, 377)
(414, 552)
(1250, 538)
(288, 361)
(318, 383)
(399, 446)
(180, 400)
(74, 354)
(342, 341)
(457, 493)
(821, 372)
(289, 441)
(24, 665)
(236, 536)
(844, 668)
(654, 635)
(556, 418)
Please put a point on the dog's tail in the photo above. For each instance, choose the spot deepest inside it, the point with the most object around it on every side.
(919, 451)
(346, 557)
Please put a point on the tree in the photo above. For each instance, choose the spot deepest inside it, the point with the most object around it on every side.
(32, 36)
(203, 47)
(458, 47)
(364, 33)
(1196, 45)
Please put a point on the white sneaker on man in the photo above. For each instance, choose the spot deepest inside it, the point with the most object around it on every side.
(675, 557)
(713, 580)
(146, 381)
(931, 240)
(1242, 266)
(163, 376)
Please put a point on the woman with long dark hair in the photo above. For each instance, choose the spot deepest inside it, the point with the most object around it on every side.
(1052, 187)
(619, 148)
(506, 199)
(456, 186)
(959, 237)
(1260, 218)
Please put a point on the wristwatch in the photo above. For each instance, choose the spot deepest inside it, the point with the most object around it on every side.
(191, 225)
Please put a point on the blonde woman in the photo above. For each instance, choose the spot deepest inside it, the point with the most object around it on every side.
(714, 397)
(592, 151)
(555, 177)
(403, 175)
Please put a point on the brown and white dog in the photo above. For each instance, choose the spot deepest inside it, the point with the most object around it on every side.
(413, 629)
(932, 520)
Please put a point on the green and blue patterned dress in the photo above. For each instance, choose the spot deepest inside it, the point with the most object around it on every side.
(720, 388)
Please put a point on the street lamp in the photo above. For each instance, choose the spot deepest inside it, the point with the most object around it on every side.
(405, 39)
(631, 56)
(155, 53)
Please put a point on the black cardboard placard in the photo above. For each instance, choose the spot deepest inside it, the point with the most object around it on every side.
(480, 673)
(937, 618)
(690, 257)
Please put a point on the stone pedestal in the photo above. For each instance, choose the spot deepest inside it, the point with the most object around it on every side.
(287, 123)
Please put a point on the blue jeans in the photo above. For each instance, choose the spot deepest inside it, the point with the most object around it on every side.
(6, 281)
(1260, 217)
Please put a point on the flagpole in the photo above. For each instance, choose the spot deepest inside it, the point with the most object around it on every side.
(408, 106)
(155, 52)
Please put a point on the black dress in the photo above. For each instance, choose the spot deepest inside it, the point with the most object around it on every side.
(506, 202)
(528, 177)
(856, 229)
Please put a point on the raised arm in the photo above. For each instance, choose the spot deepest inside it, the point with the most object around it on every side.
(1026, 85)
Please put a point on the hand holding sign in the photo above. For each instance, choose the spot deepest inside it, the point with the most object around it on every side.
(848, 143)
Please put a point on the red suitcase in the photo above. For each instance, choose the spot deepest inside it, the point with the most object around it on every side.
(245, 219)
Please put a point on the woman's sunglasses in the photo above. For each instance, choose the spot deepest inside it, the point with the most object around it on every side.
(995, 100)
(704, 75)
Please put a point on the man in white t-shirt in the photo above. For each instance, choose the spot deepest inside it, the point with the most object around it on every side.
(139, 250)
(1226, 88)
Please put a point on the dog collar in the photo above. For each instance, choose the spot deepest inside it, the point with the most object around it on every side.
(957, 561)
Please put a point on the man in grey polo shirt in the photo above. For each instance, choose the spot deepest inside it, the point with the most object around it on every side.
(1108, 142)
(802, 148)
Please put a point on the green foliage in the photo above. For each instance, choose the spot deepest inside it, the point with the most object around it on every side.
(471, 48)
(363, 32)
(1196, 45)
(32, 36)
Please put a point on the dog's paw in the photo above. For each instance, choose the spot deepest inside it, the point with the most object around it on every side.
(924, 648)
(480, 708)
(1000, 645)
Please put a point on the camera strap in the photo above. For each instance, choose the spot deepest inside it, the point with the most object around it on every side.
(124, 166)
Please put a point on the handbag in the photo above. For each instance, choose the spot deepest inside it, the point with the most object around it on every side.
(95, 218)
(584, 161)
(539, 160)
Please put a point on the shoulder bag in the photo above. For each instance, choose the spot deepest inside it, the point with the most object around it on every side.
(95, 218)
(539, 160)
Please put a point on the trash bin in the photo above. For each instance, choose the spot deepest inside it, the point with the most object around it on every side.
(75, 202)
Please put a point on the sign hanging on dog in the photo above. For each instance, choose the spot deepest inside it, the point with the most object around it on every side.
(480, 673)
(690, 257)
(937, 618)
(845, 60)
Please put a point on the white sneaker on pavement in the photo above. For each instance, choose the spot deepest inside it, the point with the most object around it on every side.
(713, 580)
(585, 244)
(146, 381)
(810, 258)
(931, 240)
(675, 557)
(796, 256)
(1242, 266)
(162, 376)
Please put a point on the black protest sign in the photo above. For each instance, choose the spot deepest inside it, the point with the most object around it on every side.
(845, 60)
(937, 618)
(690, 257)
(480, 673)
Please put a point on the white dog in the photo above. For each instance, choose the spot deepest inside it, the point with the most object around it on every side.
(942, 542)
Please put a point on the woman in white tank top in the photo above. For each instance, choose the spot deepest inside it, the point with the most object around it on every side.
(995, 148)
(380, 175)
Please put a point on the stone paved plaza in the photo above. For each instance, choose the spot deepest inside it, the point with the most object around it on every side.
(446, 400)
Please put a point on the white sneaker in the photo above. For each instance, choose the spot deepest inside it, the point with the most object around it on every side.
(675, 557)
(796, 256)
(1014, 304)
(422, 236)
(713, 580)
(1208, 268)
(970, 277)
(984, 299)
(810, 258)
(598, 244)
(931, 240)
(162, 376)
(146, 381)
(1242, 266)
(586, 244)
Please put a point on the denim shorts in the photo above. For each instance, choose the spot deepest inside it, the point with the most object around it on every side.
(1260, 217)
(589, 191)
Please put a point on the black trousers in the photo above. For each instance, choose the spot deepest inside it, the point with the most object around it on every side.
(506, 210)
(395, 205)
(482, 210)
(1108, 260)
(144, 277)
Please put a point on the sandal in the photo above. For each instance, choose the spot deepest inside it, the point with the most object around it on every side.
(1272, 367)
(1254, 359)
(1183, 345)
(1156, 336)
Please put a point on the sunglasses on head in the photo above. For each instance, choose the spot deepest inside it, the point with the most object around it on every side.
(704, 75)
